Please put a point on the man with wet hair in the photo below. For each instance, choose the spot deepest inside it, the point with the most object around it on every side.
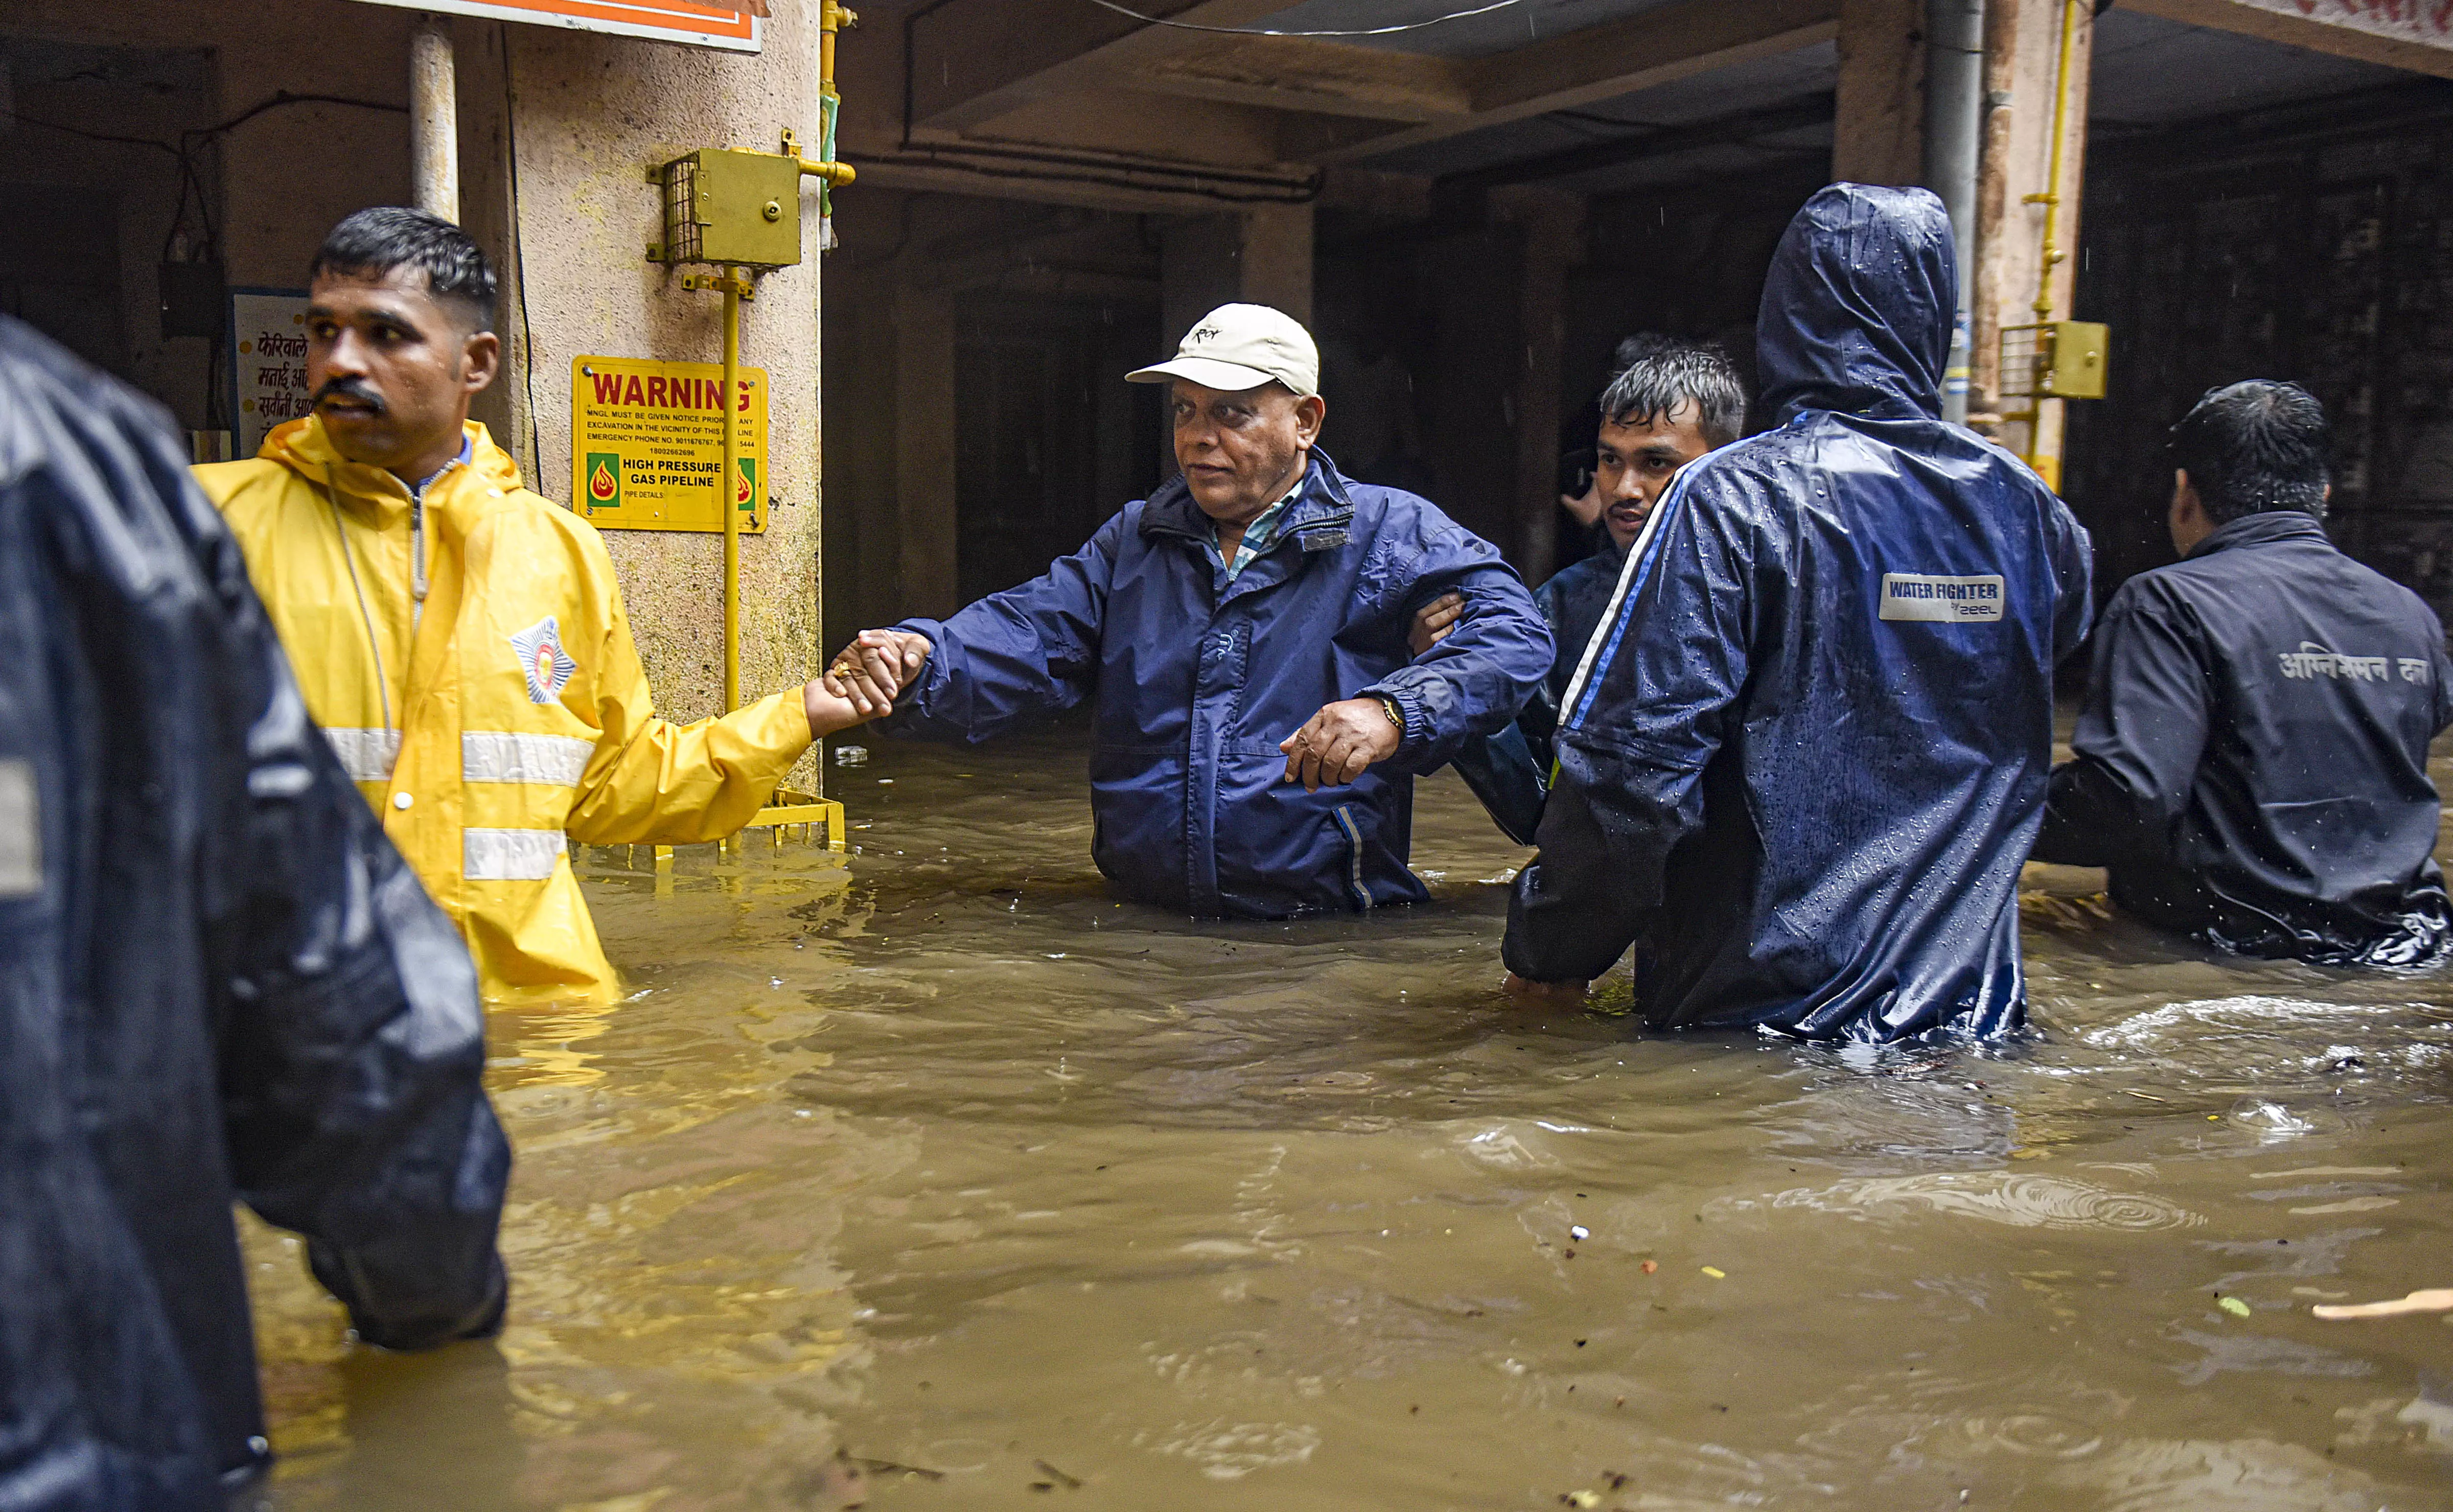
(1242, 633)
(1805, 754)
(1670, 401)
(462, 639)
(2252, 762)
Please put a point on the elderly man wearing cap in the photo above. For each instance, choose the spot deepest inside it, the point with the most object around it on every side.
(1242, 634)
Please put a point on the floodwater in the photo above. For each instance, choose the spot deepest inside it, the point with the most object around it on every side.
(1022, 1196)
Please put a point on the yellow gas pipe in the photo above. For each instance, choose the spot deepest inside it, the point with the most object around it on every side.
(729, 487)
(2049, 468)
(2051, 198)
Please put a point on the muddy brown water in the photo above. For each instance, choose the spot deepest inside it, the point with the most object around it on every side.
(1021, 1194)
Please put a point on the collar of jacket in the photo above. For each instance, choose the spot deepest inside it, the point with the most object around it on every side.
(2262, 528)
(1317, 519)
(303, 447)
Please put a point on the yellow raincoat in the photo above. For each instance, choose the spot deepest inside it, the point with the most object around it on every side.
(475, 670)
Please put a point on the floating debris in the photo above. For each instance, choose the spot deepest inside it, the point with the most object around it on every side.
(2234, 1307)
(2437, 1300)
(1716, 1273)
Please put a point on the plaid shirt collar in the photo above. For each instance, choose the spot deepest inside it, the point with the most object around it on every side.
(1262, 533)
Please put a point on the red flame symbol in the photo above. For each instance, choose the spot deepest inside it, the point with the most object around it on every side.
(600, 484)
(740, 488)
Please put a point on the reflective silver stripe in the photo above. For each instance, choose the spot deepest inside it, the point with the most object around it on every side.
(366, 755)
(21, 830)
(510, 855)
(502, 756)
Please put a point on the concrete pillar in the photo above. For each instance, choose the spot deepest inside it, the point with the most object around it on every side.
(924, 480)
(1274, 267)
(434, 119)
(2023, 68)
(1552, 226)
(1878, 136)
(1262, 255)
(593, 112)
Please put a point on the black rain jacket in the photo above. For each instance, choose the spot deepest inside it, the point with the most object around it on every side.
(1809, 752)
(217, 979)
(2252, 762)
(1510, 771)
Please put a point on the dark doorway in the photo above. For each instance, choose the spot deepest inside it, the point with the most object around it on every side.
(1050, 439)
(2313, 243)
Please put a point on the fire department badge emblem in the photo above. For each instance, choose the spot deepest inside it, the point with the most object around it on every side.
(548, 667)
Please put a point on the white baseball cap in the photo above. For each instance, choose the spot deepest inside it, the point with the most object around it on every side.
(1239, 347)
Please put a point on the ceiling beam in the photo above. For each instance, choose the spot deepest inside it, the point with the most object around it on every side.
(1742, 128)
(1307, 75)
(2275, 23)
(1577, 69)
(971, 61)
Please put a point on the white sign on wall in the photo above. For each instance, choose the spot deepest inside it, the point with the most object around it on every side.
(267, 362)
(726, 26)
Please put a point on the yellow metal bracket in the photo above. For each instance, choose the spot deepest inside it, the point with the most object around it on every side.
(790, 810)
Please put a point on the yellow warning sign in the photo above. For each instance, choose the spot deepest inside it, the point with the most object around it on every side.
(647, 443)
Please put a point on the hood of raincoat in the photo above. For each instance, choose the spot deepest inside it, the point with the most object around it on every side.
(217, 980)
(1858, 307)
(304, 445)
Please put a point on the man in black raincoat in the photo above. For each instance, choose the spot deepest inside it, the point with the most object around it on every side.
(2252, 762)
(1807, 752)
(217, 979)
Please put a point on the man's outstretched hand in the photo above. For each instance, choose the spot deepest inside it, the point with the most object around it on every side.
(875, 669)
(1340, 742)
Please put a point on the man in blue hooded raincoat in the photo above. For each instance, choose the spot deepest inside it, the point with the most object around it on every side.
(1806, 756)
(1242, 633)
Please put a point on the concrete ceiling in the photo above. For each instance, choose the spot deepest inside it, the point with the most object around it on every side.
(2148, 72)
(1594, 96)
(1481, 37)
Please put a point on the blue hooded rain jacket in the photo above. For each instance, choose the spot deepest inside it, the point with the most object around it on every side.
(217, 980)
(1196, 680)
(1808, 751)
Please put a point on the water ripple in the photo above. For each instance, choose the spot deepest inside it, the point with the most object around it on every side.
(2015, 1199)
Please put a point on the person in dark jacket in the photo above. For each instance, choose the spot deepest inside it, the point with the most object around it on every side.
(1807, 752)
(2252, 760)
(217, 979)
(1259, 715)
(1671, 402)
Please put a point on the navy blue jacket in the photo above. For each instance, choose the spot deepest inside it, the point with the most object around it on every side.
(1811, 750)
(1510, 771)
(1196, 680)
(2252, 762)
(217, 980)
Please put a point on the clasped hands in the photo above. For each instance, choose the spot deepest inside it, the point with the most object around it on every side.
(1334, 746)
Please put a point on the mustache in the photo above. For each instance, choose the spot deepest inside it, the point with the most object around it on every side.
(349, 388)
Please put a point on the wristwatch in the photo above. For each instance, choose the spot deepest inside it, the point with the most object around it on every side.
(1396, 715)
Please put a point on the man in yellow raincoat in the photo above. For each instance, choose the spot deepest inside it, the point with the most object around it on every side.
(462, 639)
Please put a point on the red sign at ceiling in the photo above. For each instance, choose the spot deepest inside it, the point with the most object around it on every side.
(733, 25)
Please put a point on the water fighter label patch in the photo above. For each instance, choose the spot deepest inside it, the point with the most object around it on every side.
(548, 667)
(1915, 596)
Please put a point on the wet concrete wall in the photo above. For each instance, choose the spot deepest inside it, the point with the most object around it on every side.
(593, 113)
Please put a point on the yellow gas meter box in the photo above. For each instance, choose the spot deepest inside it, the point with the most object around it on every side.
(2063, 360)
(734, 207)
